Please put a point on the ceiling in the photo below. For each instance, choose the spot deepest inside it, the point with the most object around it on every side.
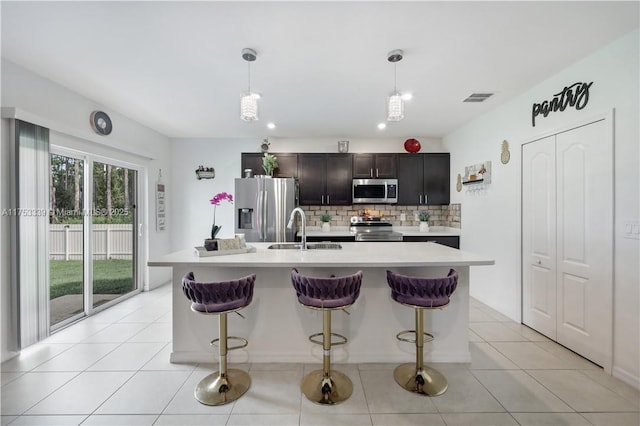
(321, 67)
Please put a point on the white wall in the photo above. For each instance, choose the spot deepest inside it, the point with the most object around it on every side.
(191, 211)
(53, 106)
(491, 221)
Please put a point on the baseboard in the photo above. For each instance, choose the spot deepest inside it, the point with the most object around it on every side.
(625, 376)
(150, 287)
(7, 355)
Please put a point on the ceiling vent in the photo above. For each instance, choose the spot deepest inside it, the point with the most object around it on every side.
(478, 97)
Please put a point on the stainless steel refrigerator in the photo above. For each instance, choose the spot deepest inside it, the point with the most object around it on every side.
(263, 206)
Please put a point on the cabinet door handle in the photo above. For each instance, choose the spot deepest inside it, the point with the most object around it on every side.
(425, 199)
(377, 172)
(322, 202)
(371, 172)
(420, 199)
(328, 202)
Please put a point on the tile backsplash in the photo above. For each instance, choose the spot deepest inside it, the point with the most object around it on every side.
(340, 215)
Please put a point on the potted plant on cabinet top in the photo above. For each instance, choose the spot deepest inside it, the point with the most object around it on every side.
(424, 221)
(326, 218)
(269, 163)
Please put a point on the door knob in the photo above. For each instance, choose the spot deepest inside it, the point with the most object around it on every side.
(539, 262)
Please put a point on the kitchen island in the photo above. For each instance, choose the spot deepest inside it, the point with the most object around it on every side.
(277, 326)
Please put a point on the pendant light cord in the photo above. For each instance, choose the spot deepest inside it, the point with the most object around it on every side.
(395, 77)
(249, 75)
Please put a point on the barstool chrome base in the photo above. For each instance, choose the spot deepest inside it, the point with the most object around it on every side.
(326, 391)
(217, 390)
(425, 381)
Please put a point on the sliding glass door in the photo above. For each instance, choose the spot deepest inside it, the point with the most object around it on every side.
(66, 239)
(93, 235)
(114, 232)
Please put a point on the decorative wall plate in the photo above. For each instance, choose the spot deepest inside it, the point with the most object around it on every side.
(412, 146)
(101, 123)
(459, 183)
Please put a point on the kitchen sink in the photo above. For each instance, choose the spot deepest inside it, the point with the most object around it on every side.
(310, 246)
(324, 246)
(285, 246)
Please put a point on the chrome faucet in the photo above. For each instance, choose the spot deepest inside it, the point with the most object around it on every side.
(304, 226)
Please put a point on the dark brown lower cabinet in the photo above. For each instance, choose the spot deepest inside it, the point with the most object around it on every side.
(445, 240)
(331, 239)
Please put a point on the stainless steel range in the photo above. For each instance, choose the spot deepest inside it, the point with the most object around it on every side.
(373, 229)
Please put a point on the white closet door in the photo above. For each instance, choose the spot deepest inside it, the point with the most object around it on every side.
(538, 237)
(584, 182)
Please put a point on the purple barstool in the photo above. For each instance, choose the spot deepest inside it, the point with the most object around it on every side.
(327, 386)
(421, 294)
(221, 298)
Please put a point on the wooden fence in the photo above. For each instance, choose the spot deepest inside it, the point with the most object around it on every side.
(109, 242)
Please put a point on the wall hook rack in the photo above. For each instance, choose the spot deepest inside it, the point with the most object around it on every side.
(477, 174)
(205, 172)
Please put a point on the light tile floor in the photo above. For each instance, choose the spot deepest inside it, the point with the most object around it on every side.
(113, 369)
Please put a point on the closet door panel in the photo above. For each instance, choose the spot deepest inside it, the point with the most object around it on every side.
(538, 236)
(585, 240)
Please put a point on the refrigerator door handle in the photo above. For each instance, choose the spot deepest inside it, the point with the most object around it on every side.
(263, 215)
(257, 218)
(260, 211)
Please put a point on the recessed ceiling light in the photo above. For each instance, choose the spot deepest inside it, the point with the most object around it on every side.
(407, 96)
(381, 126)
(271, 125)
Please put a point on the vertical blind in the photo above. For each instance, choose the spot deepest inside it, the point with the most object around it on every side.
(32, 221)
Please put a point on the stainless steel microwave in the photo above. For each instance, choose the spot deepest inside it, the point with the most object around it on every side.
(375, 191)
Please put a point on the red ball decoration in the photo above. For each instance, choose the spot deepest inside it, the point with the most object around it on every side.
(412, 146)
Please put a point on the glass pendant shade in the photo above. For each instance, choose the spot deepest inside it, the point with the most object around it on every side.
(249, 106)
(395, 107)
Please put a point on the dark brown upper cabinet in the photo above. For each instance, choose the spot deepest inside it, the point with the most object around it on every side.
(374, 166)
(324, 179)
(287, 164)
(423, 179)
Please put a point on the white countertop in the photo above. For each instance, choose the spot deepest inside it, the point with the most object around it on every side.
(360, 254)
(411, 231)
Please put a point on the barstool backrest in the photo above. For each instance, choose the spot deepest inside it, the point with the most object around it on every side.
(330, 293)
(218, 297)
(423, 292)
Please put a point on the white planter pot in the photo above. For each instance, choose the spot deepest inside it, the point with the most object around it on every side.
(326, 227)
(424, 226)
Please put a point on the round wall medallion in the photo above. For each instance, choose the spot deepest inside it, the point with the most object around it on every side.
(101, 123)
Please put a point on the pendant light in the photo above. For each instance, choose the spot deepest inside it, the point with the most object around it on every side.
(395, 103)
(249, 99)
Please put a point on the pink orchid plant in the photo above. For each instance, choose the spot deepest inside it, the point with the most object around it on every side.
(216, 201)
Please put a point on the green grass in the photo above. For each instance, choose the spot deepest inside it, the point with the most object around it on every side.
(112, 276)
